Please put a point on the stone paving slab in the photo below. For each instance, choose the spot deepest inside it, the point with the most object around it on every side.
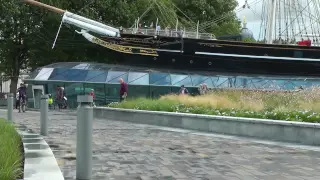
(124, 151)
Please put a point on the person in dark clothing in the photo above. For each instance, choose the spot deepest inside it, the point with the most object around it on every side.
(123, 90)
(22, 92)
(183, 90)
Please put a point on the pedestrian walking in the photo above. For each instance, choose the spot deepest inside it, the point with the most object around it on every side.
(123, 90)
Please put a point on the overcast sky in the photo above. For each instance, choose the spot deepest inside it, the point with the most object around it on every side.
(253, 15)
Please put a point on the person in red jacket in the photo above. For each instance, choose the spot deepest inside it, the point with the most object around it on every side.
(91, 93)
(123, 90)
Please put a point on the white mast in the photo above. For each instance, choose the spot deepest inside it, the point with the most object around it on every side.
(198, 30)
(271, 21)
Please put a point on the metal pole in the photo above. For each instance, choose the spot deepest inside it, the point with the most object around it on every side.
(44, 115)
(177, 24)
(177, 27)
(10, 106)
(84, 138)
(156, 26)
(198, 30)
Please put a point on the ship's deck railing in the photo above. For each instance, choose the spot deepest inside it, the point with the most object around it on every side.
(168, 33)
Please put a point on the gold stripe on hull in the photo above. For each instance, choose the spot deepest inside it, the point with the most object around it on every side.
(125, 49)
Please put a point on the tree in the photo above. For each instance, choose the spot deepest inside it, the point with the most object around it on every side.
(27, 33)
(215, 16)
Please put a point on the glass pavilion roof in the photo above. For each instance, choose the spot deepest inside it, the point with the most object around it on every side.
(110, 74)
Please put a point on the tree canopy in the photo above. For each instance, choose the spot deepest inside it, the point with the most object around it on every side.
(27, 33)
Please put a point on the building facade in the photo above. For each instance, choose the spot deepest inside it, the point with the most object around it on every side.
(80, 78)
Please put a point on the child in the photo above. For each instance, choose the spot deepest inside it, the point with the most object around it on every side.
(50, 101)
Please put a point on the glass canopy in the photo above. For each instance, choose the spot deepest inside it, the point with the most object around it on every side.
(110, 74)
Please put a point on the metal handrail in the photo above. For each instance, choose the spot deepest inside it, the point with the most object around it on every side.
(168, 33)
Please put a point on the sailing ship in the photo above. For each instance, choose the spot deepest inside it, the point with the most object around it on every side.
(195, 51)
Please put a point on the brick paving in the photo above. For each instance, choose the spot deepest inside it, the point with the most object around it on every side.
(125, 151)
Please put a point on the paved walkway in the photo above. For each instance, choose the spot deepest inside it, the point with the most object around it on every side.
(140, 152)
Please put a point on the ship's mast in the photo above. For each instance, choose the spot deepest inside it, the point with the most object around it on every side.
(79, 21)
(45, 6)
(271, 21)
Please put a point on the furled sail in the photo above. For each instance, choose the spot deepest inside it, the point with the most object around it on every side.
(89, 25)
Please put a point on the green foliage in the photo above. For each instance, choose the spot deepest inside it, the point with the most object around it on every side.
(300, 106)
(10, 152)
(249, 40)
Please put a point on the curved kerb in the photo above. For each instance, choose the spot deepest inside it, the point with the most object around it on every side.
(40, 163)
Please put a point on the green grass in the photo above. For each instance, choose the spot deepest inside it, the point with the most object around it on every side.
(11, 157)
(303, 106)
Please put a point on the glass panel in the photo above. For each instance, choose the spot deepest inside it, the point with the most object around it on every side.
(178, 80)
(157, 91)
(232, 81)
(160, 79)
(33, 73)
(99, 92)
(197, 80)
(68, 74)
(138, 78)
(220, 82)
(72, 91)
(96, 76)
(59, 74)
(81, 66)
(114, 76)
(98, 67)
(64, 65)
(44, 74)
(258, 83)
(76, 75)
(138, 91)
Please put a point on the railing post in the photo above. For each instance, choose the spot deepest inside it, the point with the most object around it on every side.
(84, 137)
(10, 106)
(44, 115)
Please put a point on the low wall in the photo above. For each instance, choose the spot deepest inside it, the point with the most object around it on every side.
(287, 131)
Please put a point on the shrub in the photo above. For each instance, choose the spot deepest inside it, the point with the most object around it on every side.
(291, 106)
(11, 157)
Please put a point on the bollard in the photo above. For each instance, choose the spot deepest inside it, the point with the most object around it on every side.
(44, 115)
(84, 138)
(10, 106)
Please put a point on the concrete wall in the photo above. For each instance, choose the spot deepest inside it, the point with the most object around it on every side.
(295, 132)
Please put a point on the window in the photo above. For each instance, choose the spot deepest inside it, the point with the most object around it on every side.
(197, 80)
(99, 92)
(178, 80)
(44, 74)
(138, 78)
(68, 74)
(114, 76)
(220, 82)
(81, 66)
(96, 76)
(160, 79)
(58, 74)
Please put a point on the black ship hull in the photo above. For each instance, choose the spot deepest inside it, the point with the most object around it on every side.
(220, 56)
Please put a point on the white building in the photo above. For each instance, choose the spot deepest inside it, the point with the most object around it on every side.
(5, 85)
